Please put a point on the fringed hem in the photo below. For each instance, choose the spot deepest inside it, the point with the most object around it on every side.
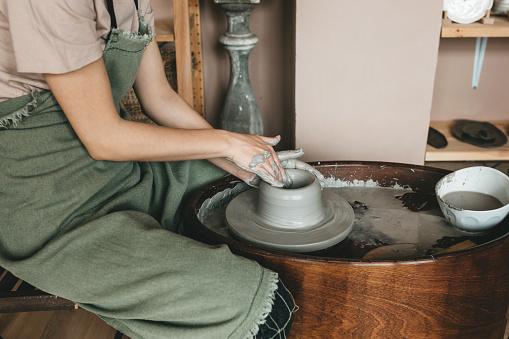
(267, 308)
(144, 38)
(144, 35)
(145, 27)
(16, 116)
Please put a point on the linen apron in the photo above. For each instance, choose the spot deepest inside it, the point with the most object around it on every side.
(102, 233)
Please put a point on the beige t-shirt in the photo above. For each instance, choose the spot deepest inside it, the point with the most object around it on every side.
(56, 36)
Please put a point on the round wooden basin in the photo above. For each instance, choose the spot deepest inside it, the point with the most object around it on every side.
(350, 291)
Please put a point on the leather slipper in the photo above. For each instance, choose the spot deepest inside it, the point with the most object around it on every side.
(481, 134)
(436, 139)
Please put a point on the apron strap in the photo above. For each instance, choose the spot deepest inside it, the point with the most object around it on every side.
(111, 10)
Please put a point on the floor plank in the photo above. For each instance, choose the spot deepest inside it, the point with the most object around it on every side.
(77, 324)
(62, 325)
(69, 324)
(25, 325)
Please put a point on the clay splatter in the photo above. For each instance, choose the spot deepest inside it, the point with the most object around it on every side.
(417, 201)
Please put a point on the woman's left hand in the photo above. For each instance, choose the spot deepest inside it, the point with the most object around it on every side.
(255, 154)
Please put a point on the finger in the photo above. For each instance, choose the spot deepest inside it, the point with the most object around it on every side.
(289, 163)
(307, 167)
(258, 159)
(279, 167)
(254, 181)
(301, 165)
(272, 170)
(287, 181)
(259, 174)
(291, 154)
(268, 163)
(269, 179)
(271, 141)
(277, 171)
(263, 170)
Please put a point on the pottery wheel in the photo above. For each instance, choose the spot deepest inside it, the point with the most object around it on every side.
(245, 223)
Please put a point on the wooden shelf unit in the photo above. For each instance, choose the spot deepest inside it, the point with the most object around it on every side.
(165, 27)
(184, 29)
(164, 30)
(457, 150)
(499, 29)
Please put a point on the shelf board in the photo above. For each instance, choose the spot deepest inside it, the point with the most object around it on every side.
(499, 29)
(164, 30)
(457, 150)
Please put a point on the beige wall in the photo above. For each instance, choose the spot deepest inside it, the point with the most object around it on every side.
(163, 8)
(364, 78)
(454, 97)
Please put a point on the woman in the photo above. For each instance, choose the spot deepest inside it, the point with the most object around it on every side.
(90, 201)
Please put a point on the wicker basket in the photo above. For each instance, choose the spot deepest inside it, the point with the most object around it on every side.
(130, 101)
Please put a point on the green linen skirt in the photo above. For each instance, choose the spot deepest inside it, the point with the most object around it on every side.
(105, 234)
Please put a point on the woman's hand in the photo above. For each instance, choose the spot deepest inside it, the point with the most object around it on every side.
(301, 165)
(288, 160)
(255, 154)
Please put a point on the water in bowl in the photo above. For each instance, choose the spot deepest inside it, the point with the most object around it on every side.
(472, 201)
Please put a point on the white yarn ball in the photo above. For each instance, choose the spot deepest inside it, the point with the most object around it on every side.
(466, 11)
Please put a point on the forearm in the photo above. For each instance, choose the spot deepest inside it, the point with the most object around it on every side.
(167, 108)
(158, 100)
(156, 143)
(172, 111)
(134, 141)
(86, 98)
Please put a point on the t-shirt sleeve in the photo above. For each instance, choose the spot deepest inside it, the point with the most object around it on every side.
(148, 12)
(53, 36)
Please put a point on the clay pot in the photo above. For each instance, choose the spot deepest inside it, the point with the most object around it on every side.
(459, 294)
(295, 207)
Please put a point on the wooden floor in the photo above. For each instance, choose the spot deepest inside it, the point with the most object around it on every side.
(75, 324)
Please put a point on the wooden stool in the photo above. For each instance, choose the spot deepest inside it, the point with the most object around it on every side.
(17, 295)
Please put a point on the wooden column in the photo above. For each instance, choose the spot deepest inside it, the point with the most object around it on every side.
(183, 50)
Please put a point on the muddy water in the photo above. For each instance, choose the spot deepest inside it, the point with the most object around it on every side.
(383, 217)
(472, 201)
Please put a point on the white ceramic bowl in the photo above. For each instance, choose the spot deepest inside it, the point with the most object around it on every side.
(478, 179)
